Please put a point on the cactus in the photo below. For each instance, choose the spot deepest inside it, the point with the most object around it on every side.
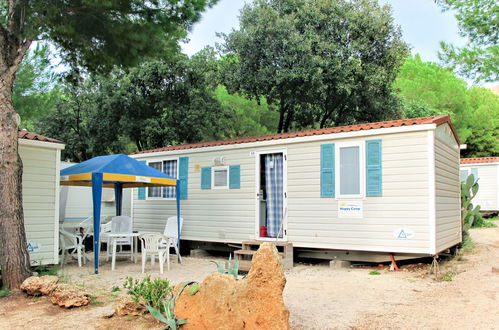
(469, 214)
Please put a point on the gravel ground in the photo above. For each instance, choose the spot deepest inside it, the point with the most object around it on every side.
(317, 297)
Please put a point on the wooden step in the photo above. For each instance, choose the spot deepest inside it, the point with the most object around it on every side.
(252, 252)
(244, 265)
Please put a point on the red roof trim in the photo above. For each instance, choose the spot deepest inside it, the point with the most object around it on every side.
(438, 120)
(480, 160)
(35, 137)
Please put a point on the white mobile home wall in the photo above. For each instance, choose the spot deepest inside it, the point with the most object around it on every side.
(40, 184)
(420, 166)
(488, 180)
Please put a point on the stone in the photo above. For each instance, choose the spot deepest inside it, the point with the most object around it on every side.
(66, 295)
(337, 264)
(43, 285)
(495, 270)
(127, 306)
(255, 302)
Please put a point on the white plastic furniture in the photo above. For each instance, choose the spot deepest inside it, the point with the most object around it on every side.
(113, 238)
(150, 243)
(105, 230)
(121, 225)
(171, 233)
(70, 241)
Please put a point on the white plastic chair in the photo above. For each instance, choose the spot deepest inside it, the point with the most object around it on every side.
(150, 244)
(105, 230)
(69, 241)
(171, 233)
(122, 225)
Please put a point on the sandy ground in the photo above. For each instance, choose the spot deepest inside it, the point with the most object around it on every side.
(318, 297)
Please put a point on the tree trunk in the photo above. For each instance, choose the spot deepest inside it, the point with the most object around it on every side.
(289, 119)
(14, 258)
(282, 112)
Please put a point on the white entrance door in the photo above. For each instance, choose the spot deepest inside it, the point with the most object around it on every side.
(271, 195)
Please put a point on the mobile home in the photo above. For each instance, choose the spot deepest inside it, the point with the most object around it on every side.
(486, 172)
(40, 183)
(386, 187)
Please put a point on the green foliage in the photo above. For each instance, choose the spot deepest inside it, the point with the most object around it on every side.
(36, 89)
(166, 314)
(194, 289)
(149, 292)
(448, 277)
(316, 62)
(247, 117)
(429, 89)
(469, 214)
(228, 267)
(374, 272)
(115, 289)
(478, 22)
(4, 292)
(467, 244)
(43, 270)
(156, 104)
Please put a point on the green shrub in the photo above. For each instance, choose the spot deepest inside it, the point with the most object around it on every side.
(4, 292)
(374, 272)
(149, 292)
(467, 244)
(166, 314)
(115, 289)
(43, 270)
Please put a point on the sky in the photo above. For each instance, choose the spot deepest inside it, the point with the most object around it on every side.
(422, 22)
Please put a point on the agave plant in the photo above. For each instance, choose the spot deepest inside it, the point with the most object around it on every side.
(469, 214)
(166, 314)
(228, 267)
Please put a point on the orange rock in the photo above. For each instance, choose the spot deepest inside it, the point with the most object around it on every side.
(43, 285)
(254, 302)
(127, 306)
(66, 295)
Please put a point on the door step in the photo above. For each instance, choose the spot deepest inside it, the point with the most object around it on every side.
(249, 248)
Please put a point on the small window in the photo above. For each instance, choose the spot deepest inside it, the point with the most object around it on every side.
(350, 177)
(464, 175)
(220, 177)
(168, 167)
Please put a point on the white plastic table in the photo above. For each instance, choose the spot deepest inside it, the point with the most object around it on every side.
(114, 236)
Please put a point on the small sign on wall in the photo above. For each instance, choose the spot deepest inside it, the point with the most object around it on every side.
(350, 209)
(403, 233)
(34, 247)
(197, 168)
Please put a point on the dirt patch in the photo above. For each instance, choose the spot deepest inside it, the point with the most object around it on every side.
(317, 297)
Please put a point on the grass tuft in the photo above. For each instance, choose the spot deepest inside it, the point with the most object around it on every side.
(374, 272)
(4, 292)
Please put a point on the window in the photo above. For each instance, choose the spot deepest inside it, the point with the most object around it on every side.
(220, 177)
(464, 175)
(169, 167)
(350, 177)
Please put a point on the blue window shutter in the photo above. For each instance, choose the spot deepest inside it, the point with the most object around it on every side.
(235, 176)
(474, 171)
(373, 168)
(327, 170)
(183, 170)
(141, 192)
(206, 178)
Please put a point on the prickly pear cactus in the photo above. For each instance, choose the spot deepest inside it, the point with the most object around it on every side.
(469, 214)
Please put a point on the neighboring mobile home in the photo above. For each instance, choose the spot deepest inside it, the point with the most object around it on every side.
(41, 161)
(390, 187)
(486, 171)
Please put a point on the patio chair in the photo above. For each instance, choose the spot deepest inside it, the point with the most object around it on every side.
(150, 243)
(171, 233)
(105, 230)
(121, 225)
(70, 241)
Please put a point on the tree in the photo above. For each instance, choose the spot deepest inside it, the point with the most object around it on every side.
(88, 34)
(158, 103)
(429, 89)
(36, 88)
(317, 62)
(478, 22)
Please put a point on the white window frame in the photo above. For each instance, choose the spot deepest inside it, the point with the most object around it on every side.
(215, 168)
(157, 160)
(362, 170)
